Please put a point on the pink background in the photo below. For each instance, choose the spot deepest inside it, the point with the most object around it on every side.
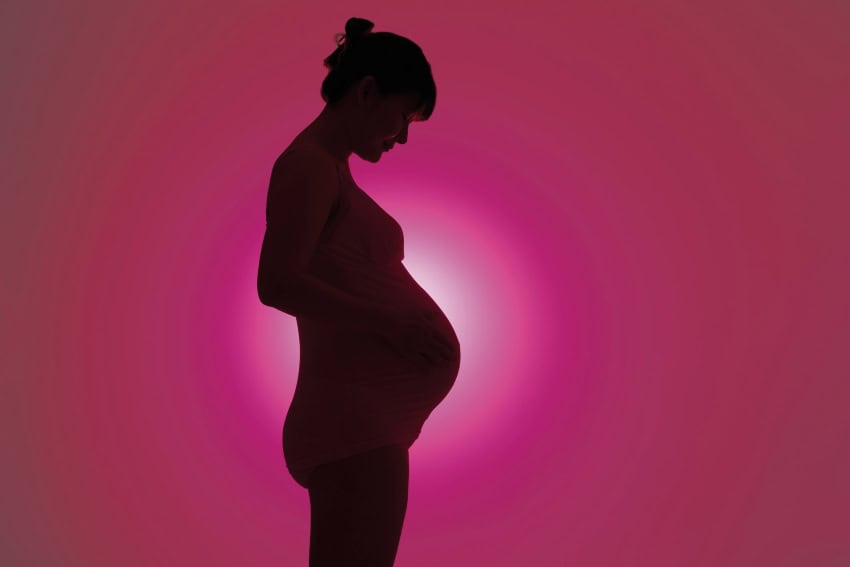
(634, 213)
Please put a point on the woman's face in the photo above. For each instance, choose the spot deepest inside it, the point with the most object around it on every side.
(385, 123)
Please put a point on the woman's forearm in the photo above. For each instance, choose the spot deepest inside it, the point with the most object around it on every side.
(309, 297)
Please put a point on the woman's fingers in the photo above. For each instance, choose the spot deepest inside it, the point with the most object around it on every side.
(442, 351)
(446, 348)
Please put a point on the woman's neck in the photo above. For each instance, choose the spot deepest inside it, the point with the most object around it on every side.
(329, 131)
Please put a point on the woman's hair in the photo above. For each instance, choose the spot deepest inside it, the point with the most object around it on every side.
(397, 64)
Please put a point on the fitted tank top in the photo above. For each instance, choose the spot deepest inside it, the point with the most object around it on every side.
(353, 392)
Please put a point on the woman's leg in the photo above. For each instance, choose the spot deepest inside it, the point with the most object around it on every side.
(357, 508)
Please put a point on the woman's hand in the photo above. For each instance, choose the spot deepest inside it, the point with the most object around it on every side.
(415, 335)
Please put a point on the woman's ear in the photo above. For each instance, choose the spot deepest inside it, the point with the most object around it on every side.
(368, 96)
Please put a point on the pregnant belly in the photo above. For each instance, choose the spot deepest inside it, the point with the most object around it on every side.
(378, 390)
(354, 355)
(348, 351)
(409, 297)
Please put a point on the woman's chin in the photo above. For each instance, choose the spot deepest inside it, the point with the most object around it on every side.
(374, 156)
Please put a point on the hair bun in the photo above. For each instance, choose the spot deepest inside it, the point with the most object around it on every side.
(356, 28)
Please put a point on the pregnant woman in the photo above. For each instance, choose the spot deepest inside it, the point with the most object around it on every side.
(377, 354)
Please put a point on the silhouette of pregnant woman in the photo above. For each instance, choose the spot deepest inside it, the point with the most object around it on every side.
(377, 354)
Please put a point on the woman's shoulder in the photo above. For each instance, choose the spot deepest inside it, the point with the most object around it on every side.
(300, 158)
(308, 150)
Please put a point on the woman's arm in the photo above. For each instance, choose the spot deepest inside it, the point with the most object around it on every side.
(302, 192)
(305, 295)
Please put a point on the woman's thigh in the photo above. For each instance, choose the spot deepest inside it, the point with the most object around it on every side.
(357, 508)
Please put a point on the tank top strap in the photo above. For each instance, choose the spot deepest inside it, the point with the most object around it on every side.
(340, 168)
(342, 202)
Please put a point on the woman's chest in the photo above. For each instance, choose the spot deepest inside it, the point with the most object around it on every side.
(360, 228)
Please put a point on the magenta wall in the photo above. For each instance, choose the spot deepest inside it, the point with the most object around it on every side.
(635, 215)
